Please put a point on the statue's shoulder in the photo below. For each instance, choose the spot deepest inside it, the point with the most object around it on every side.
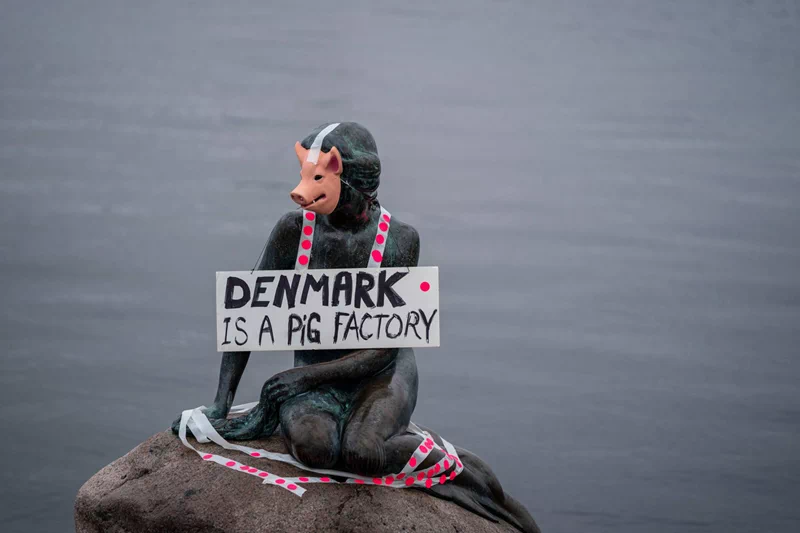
(405, 231)
(290, 220)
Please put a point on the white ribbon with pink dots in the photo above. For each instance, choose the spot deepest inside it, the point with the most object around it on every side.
(307, 240)
(412, 475)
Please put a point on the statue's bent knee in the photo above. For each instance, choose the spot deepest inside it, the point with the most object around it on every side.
(363, 453)
(312, 443)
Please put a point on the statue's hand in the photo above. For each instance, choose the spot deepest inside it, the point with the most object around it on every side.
(213, 413)
(285, 385)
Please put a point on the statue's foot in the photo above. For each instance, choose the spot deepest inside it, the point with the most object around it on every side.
(260, 422)
(478, 490)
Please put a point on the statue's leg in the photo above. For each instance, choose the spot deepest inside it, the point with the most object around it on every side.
(381, 410)
(310, 427)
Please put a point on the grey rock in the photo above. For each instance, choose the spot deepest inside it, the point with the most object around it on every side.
(161, 486)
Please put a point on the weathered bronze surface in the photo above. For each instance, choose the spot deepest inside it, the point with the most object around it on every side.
(343, 408)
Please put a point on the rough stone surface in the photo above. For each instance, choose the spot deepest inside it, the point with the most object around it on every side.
(161, 486)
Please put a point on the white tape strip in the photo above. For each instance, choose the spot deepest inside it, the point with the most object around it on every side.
(376, 255)
(313, 152)
(411, 475)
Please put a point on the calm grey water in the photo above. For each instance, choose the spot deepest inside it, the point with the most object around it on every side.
(610, 190)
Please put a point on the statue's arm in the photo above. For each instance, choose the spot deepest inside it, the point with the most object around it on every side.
(279, 252)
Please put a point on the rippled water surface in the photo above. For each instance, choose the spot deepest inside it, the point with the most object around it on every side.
(610, 190)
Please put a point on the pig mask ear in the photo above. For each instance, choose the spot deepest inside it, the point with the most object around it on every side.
(301, 152)
(332, 161)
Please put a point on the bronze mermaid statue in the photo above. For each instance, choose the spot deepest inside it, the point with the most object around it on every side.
(349, 409)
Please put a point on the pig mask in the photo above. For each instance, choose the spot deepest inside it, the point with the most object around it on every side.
(320, 183)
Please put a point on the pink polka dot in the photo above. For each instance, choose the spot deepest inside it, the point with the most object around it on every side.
(207, 456)
(409, 482)
(376, 255)
(412, 461)
(244, 467)
(310, 215)
(291, 486)
(308, 230)
(420, 476)
(389, 480)
(360, 481)
(303, 479)
(255, 454)
(424, 286)
(422, 448)
(380, 239)
(305, 245)
(324, 479)
(230, 463)
(303, 259)
(263, 474)
(386, 217)
(401, 475)
(446, 464)
(442, 480)
(253, 470)
(437, 468)
(377, 481)
(429, 442)
(280, 481)
(383, 226)
(428, 483)
(430, 472)
(459, 464)
(452, 475)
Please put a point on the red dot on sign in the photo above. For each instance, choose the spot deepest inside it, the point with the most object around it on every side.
(308, 230)
(452, 475)
(386, 217)
(263, 474)
(255, 454)
(303, 259)
(303, 479)
(360, 481)
(424, 286)
(380, 239)
(383, 226)
(280, 481)
(306, 244)
(442, 480)
(310, 216)
(420, 476)
(446, 464)
(409, 482)
(428, 483)
(377, 480)
(291, 486)
(389, 480)
(324, 479)
(207, 456)
(376, 255)
(412, 461)
(230, 463)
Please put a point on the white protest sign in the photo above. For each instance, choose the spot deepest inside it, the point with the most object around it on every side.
(327, 309)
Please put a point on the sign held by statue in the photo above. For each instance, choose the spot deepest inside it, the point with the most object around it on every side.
(324, 309)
